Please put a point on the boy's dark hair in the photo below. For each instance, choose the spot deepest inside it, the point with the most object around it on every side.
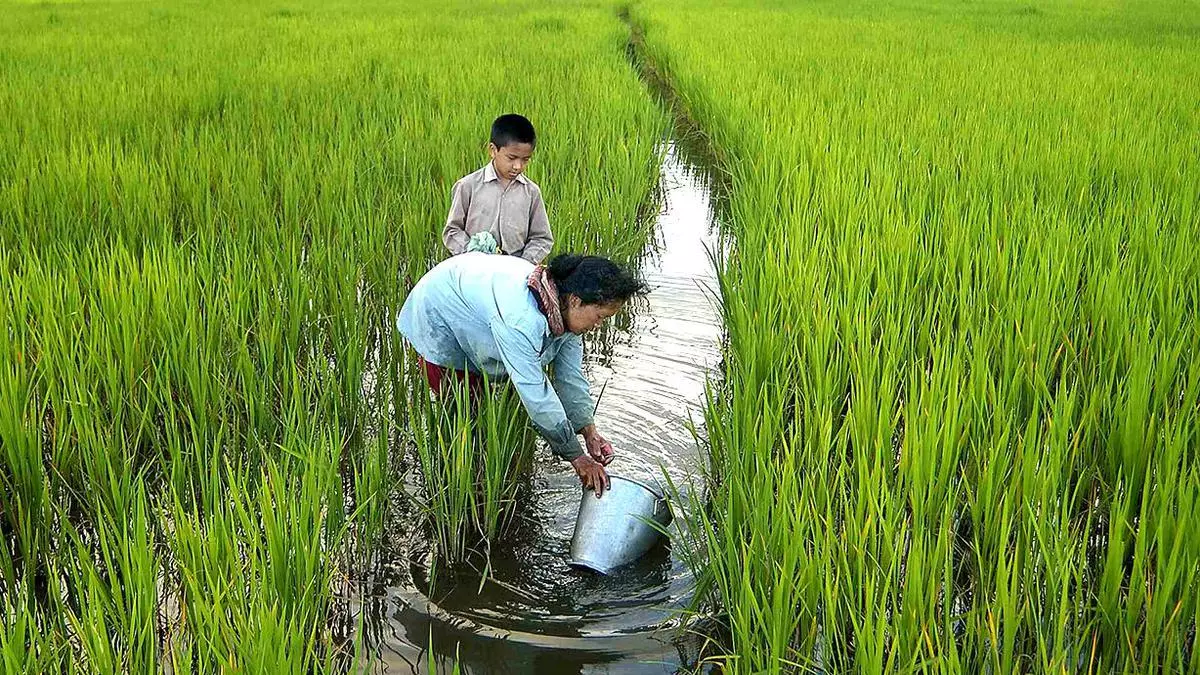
(512, 128)
(595, 280)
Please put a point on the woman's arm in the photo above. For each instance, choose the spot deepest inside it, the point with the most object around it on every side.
(540, 399)
(572, 387)
(575, 393)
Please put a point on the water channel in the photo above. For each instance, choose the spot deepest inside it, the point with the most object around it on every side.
(533, 613)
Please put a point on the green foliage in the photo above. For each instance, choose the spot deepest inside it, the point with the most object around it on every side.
(959, 423)
(209, 216)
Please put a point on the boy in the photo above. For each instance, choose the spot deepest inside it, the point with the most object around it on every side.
(500, 201)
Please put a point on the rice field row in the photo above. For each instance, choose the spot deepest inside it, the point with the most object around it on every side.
(958, 426)
(961, 412)
(208, 217)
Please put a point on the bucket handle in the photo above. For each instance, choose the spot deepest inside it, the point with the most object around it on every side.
(654, 471)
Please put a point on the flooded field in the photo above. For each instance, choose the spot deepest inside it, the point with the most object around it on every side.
(533, 613)
(957, 427)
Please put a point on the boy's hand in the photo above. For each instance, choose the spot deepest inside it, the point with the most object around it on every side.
(483, 242)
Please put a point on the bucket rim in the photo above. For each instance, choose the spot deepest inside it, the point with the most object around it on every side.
(657, 491)
(591, 566)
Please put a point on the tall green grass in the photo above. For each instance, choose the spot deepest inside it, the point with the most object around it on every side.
(474, 452)
(209, 216)
(960, 416)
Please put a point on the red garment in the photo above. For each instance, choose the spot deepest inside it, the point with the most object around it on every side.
(436, 376)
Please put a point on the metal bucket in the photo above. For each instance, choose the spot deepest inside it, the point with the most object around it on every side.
(613, 530)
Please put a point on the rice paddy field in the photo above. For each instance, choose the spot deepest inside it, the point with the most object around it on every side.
(956, 424)
(961, 416)
(209, 215)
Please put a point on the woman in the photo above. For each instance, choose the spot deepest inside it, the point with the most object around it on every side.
(477, 314)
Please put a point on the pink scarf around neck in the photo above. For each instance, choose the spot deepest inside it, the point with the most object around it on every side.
(547, 298)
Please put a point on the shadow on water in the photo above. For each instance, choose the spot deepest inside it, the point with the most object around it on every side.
(531, 612)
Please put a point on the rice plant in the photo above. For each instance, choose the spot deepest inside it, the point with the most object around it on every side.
(959, 419)
(474, 452)
(209, 215)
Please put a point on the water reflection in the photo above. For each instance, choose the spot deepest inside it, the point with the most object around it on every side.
(533, 613)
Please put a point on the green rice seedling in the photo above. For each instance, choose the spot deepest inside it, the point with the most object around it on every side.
(276, 584)
(447, 456)
(373, 482)
(505, 460)
(958, 308)
(26, 646)
(435, 664)
(111, 603)
(204, 240)
(473, 450)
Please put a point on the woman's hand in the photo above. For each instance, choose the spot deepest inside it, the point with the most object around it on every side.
(597, 446)
(591, 473)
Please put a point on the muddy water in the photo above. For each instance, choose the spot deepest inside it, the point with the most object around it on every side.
(533, 613)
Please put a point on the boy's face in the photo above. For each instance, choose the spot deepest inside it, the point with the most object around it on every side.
(510, 161)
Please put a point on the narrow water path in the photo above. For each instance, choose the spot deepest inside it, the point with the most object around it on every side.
(533, 613)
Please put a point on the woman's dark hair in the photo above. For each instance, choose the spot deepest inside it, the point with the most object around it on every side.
(595, 280)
